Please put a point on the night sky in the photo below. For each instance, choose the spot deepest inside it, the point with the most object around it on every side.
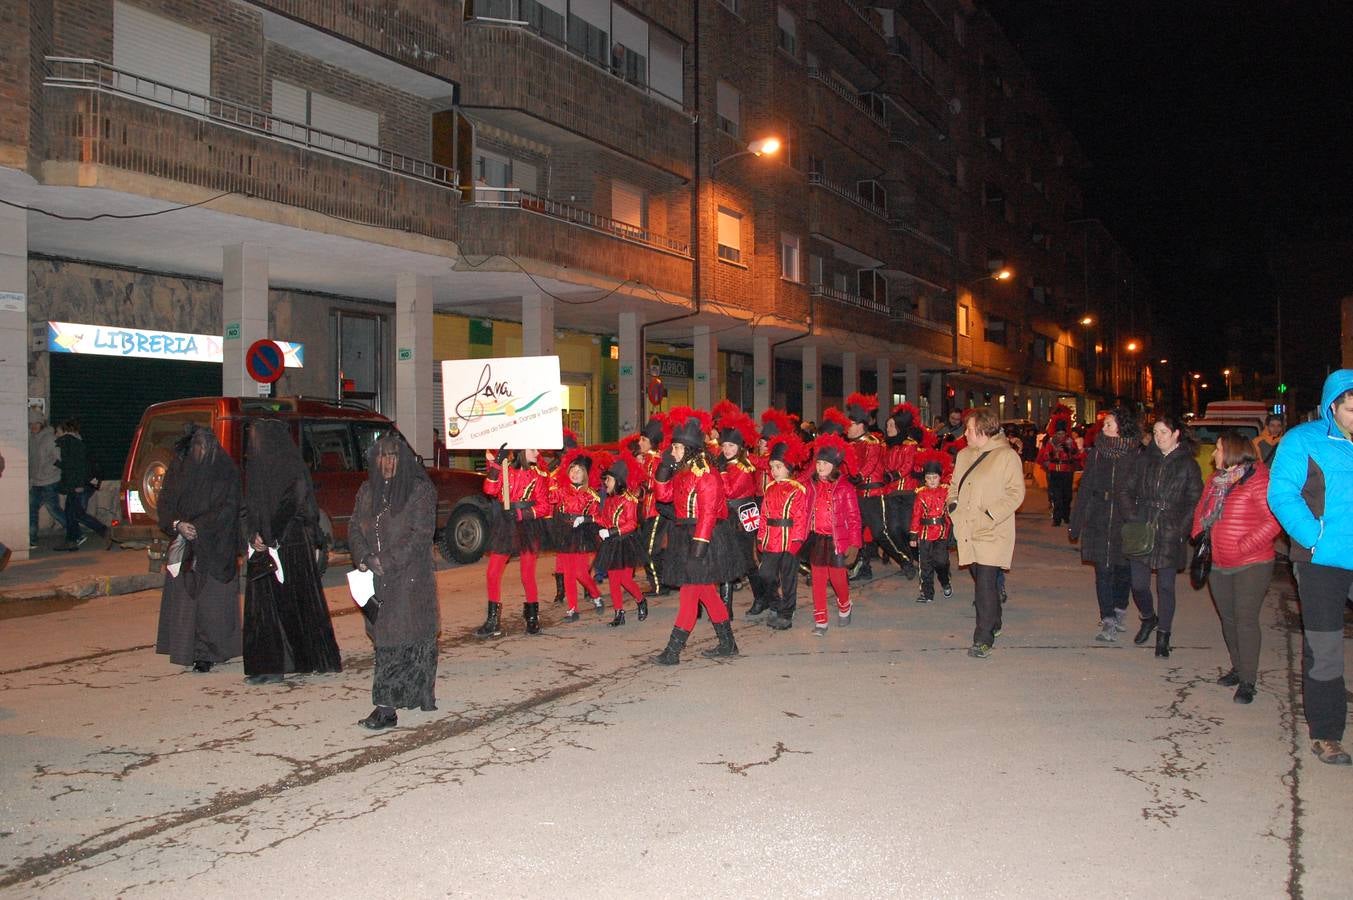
(1215, 131)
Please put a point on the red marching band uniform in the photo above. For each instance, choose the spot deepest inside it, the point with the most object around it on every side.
(740, 485)
(575, 508)
(783, 529)
(517, 526)
(866, 470)
(930, 524)
(621, 545)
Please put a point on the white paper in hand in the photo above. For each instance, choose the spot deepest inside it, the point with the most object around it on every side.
(362, 585)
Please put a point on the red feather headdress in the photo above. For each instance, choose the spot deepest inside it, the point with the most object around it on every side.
(634, 472)
(831, 445)
(780, 421)
(833, 416)
(936, 456)
(795, 451)
(594, 469)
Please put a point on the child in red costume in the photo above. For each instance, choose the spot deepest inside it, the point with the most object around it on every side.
(737, 432)
(930, 525)
(576, 503)
(833, 530)
(784, 527)
(621, 544)
(516, 527)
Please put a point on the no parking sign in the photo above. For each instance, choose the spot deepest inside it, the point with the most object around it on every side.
(264, 361)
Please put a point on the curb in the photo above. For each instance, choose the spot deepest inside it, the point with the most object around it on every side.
(87, 588)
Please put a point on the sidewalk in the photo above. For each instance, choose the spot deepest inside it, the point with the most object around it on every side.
(90, 571)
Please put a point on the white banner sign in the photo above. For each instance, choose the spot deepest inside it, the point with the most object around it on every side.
(511, 400)
(107, 340)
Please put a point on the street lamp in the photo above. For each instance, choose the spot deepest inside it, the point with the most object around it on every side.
(766, 146)
(1226, 373)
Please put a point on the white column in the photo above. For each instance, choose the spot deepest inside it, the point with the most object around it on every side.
(14, 379)
(937, 410)
(812, 384)
(244, 313)
(883, 366)
(706, 367)
(413, 362)
(633, 377)
(850, 374)
(762, 367)
(914, 384)
(537, 325)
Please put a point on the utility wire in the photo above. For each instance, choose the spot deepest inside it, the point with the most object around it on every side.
(144, 215)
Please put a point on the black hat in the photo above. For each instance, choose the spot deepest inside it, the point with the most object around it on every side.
(933, 467)
(832, 455)
(689, 433)
(653, 431)
(620, 472)
(732, 436)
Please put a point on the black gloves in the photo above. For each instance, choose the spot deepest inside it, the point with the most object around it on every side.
(698, 549)
(666, 467)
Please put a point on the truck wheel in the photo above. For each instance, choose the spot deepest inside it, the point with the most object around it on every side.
(465, 536)
(151, 479)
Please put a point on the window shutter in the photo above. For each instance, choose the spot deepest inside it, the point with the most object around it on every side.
(346, 120)
(288, 102)
(730, 230)
(665, 55)
(163, 51)
(627, 204)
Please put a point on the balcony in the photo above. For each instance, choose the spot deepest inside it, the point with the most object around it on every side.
(515, 198)
(817, 179)
(851, 25)
(839, 214)
(97, 114)
(845, 298)
(570, 94)
(519, 226)
(415, 33)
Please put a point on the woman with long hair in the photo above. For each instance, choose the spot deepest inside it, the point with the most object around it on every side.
(1097, 517)
(1162, 492)
(1234, 512)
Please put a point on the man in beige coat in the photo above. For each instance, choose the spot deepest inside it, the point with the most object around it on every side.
(986, 490)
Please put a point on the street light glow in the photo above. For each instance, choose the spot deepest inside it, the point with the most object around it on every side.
(766, 146)
(1133, 346)
(1164, 362)
(1003, 275)
(1196, 376)
(1087, 320)
(1226, 372)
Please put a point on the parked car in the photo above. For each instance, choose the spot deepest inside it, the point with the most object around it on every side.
(333, 437)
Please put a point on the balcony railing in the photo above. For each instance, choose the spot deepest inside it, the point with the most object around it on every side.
(515, 198)
(922, 322)
(866, 18)
(92, 75)
(543, 22)
(847, 95)
(897, 224)
(817, 179)
(848, 299)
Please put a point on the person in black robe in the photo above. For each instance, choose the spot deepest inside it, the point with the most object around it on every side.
(286, 623)
(390, 534)
(199, 504)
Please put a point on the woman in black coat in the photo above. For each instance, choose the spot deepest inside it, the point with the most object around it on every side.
(1163, 490)
(390, 534)
(1097, 517)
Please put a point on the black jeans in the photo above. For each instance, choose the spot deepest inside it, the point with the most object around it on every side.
(1113, 585)
(778, 580)
(872, 518)
(934, 557)
(1323, 591)
(1141, 592)
(1059, 493)
(987, 599)
(1239, 595)
(77, 501)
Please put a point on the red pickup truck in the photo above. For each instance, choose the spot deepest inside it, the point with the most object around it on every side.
(333, 437)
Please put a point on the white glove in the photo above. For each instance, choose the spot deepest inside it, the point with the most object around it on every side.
(577, 520)
(604, 533)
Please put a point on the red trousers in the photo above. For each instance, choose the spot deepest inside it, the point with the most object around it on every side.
(837, 576)
(692, 597)
(577, 569)
(622, 580)
(498, 564)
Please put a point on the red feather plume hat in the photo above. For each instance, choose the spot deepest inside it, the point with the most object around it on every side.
(830, 447)
(737, 428)
(590, 460)
(626, 470)
(833, 422)
(787, 448)
(859, 407)
(571, 439)
(723, 409)
(777, 421)
(688, 426)
(905, 417)
(928, 459)
(1060, 413)
(929, 439)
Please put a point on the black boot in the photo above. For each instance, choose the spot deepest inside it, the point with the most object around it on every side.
(760, 604)
(726, 595)
(675, 644)
(643, 608)
(619, 619)
(727, 646)
(1163, 644)
(381, 717)
(558, 587)
(862, 569)
(532, 613)
(492, 626)
(1144, 633)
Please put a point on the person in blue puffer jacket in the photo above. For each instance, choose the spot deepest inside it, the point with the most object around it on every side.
(1311, 493)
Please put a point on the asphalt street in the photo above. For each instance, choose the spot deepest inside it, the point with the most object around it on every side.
(877, 761)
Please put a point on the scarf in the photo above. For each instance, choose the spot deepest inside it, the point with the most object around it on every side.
(1113, 447)
(1222, 482)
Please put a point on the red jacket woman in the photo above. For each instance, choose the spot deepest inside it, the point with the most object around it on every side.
(1245, 532)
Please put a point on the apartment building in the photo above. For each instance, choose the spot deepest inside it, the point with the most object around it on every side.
(383, 185)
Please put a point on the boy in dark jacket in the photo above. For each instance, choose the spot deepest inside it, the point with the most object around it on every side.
(77, 484)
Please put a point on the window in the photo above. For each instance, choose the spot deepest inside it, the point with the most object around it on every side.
(730, 235)
(790, 269)
(628, 53)
(872, 192)
(964, 319)
(627, 204)
(871, 285)
(994, 330)
(665, 64)
(815, 269)
(163, 51)
(787, 31)
(960, 28)
(1042, 348)
(588, 21)
(792, 149)
(729, 106)
(546, 17)
(733, 5)
(324, 113)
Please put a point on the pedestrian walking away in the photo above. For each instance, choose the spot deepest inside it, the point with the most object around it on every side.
(1161, 494)
(44, 474)
(286, 621)
(1311, 493)
(199, 505)
(833, 530)
(987, 489)
(1097, 517)
(390, 534)
(1234, 517)
(78, 485)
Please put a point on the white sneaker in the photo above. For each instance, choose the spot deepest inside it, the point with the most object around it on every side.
(819, 630)
(1108, 631)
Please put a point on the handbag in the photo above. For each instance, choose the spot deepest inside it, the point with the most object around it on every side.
(371, 608)
(1200, 563)
(1139, 538)
(259, 565)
